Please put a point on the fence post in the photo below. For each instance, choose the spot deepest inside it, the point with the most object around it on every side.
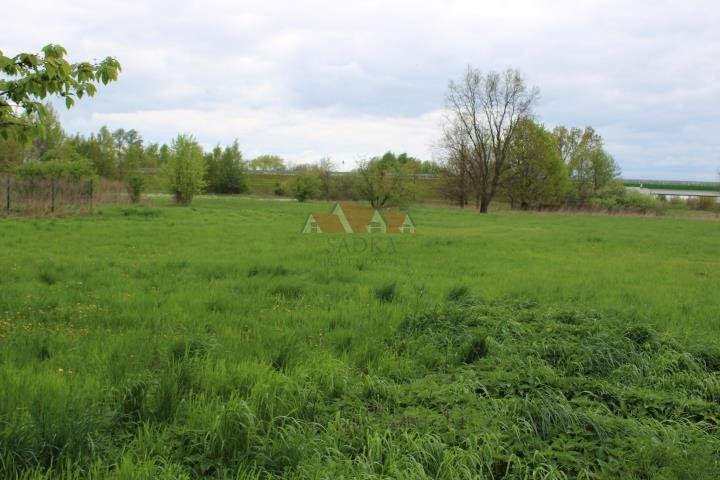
(52, 195)
(7, 194)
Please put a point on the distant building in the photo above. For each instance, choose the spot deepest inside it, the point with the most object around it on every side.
(354, 218)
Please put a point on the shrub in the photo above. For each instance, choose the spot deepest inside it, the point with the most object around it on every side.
(185, 169)
(386, 293)
(616, 198)
(634, 201)
(304, 185)
(279, 189)
(135, 186)
(343, 187)
(702, 203)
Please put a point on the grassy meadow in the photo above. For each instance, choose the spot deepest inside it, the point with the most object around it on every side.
(218, 341)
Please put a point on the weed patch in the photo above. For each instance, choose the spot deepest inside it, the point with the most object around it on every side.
(457, 294)
(386, 293)
(140, 212)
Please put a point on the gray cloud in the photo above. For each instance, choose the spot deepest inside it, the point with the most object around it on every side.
(352, 79)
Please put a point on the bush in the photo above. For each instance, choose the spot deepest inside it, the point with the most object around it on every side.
(616, 198)
(634, 201)
(702, 203)
(386, 293)
(343, 187)
(135, 186)
(185, 169)
(279, 190)
(304, 186)
(677, 201)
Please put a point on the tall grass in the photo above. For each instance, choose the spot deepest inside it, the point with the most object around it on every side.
(218, 342)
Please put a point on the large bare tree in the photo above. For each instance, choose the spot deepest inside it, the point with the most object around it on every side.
(456, 183)
(483, 112)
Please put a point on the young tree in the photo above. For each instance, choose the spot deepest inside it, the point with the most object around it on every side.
(12, 151)
(324, 171)
(49, 134)
(129, 152)
(384, 182)
(457, 179)
(151, 157)
(590, 167)
(304, 185)
(185, 169)
(484, 110)
(212, 159)
(430, 167)
(135, 185)
(108, 152)
(164, 155)
(603, 169)
(537, 175)
(30, 78)
(226, 170)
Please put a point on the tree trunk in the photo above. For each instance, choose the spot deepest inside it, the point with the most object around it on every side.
(484, 204)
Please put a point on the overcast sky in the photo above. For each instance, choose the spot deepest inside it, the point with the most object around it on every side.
(349, 80)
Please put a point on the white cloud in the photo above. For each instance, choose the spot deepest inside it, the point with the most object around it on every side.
(300, 135)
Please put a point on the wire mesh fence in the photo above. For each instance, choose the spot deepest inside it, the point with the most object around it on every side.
(56, 196)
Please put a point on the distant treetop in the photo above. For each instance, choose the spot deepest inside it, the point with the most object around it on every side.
(267, 162)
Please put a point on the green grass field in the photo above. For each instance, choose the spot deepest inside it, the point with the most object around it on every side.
(218, 341)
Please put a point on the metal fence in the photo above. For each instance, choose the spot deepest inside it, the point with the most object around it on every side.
(54, 196)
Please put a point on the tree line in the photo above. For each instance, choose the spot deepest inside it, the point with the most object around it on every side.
(492, 146)
(534, 168)
(184, 167)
